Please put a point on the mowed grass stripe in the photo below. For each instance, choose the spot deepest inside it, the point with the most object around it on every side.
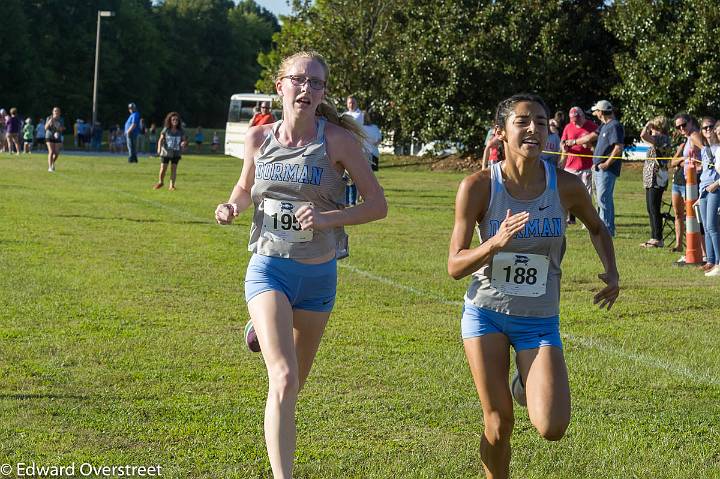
(122, 321)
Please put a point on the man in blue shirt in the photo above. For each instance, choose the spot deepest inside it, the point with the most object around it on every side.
(609, 141)
(132, 130)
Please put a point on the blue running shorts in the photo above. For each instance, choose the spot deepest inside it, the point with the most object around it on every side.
(524, 332)
(310, 287)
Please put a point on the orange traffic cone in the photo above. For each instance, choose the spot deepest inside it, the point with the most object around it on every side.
(693, 253)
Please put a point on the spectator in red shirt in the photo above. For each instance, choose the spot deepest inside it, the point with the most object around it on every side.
(493, 149)
(265, 117)
(581, 166)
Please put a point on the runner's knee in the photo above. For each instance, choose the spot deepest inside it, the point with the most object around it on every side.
(498, 426)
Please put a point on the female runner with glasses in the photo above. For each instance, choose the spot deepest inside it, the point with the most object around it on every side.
(519, 207)
(292, 175)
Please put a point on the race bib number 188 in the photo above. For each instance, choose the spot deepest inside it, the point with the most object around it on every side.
(280, 223)
(519, 274)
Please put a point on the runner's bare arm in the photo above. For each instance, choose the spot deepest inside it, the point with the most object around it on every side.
(471, 203)
(345, 150)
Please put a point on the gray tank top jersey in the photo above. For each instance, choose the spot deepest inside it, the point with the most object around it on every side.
(544, 234)
(296, 174)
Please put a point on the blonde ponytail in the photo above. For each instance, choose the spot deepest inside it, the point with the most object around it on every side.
(325, 109)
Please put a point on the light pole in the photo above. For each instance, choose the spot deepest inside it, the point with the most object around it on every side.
(101, 13)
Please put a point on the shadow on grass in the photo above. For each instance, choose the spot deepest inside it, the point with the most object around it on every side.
(26, 397)
(135, 220)
(401, 165)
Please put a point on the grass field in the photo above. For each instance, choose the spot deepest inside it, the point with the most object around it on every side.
(121, 316)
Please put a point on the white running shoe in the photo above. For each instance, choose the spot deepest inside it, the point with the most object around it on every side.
(714, 272)
(517, 389)
(50, 170)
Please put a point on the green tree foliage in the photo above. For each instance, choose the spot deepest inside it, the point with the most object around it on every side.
(184, 55)
(20, 66)
(667, 61)
(437, 69)
(353, 35)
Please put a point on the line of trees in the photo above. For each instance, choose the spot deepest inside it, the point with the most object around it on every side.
(436, 69)
(184, 55)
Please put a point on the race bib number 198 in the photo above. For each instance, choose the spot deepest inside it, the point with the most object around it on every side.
(520, 274)
(280, 223)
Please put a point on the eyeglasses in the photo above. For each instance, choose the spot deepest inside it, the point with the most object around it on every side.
(708, 127)
(263, 108)
(300, 80)
(680, 126)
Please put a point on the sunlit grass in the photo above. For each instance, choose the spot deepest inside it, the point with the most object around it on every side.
(121, 338)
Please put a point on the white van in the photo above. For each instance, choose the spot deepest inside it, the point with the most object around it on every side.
(242, 108)
(638, 151)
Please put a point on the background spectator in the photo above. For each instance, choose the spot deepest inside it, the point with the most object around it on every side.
(373, 137)
(85, 134)
(28, 132)
(199, 138)
(571, 161)
(709, 200)
(152, 139)
(354, 111)
(142, 135)
(76, 132)
(655, 176)
(610, 140)
(3, 120)
(493, 149)
(552, 145)
(132, 130)
(685, 157)
(40, 132)
(97, 134)
(560, 120)
(169, 147)
(13, 126)
(54, 128)
(264, 116)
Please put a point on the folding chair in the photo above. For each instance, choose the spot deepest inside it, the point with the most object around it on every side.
(668, 224)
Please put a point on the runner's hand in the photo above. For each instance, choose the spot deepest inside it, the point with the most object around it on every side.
(606, 297)
(511, 225)
(225, 213)
(310, 218)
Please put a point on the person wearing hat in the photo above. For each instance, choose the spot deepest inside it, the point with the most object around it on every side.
(571, 159)
(609, 142)
(132, 130)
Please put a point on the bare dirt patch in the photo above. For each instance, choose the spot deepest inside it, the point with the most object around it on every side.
(457, 163)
